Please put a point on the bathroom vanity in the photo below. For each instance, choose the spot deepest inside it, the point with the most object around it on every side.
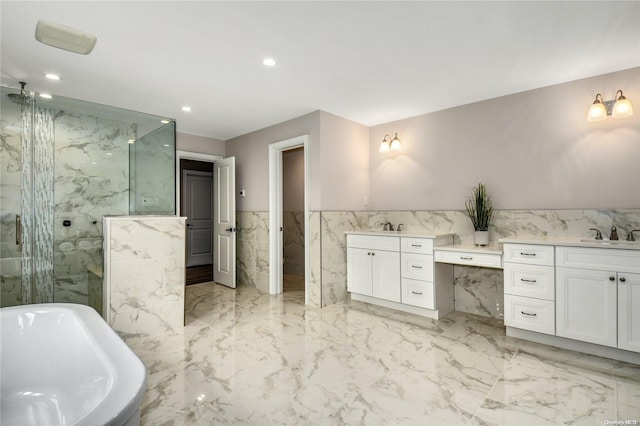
(398, 270)
(582, 295)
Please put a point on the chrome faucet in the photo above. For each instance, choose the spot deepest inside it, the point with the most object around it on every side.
(387, 226)
(598, 233)
(614, 233)
(630, 235)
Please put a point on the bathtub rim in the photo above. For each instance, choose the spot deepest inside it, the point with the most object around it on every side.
(124, 398)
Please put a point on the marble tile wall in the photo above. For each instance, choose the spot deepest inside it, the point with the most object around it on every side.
(144, 279)
(252, 249)
(91, 180)
(477, 290)
(10, 182)
(293, 237)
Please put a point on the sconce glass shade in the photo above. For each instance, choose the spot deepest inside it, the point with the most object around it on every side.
(395, 143)
(622, 107)
(384, 145)
(597, 110)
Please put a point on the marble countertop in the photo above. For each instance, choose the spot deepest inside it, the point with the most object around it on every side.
(401, 234)
(472, 248)
(575, 242)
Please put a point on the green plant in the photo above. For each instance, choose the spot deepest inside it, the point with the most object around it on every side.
(479, 208)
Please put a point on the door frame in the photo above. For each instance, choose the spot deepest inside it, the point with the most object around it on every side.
(188, 155)
(276, 212)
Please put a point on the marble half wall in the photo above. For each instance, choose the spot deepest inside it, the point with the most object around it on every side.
(477, 290)
(144, 274)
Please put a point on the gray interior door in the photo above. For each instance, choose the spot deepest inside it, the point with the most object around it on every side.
(198, 206)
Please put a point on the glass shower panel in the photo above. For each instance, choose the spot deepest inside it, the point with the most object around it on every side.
(10, 192)
(152, 165)
(64, 166)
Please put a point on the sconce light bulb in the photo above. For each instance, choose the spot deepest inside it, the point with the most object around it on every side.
(395, 143)
(384, 147)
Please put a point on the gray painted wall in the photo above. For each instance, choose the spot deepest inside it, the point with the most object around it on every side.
(534, 150)
(199, 144)
(338, 165)
(293, 180)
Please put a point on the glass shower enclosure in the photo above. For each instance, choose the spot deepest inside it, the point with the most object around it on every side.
(65, 164)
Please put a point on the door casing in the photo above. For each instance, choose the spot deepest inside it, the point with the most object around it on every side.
(276, 212)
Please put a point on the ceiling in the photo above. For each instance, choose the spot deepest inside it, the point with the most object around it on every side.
(371, 62)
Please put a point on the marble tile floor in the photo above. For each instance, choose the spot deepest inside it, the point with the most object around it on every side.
(249, 358)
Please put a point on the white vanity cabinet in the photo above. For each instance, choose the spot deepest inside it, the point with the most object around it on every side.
(529, 287)
(398, 271)
(417, 272)
(373, 266)
(629, 311)
(598, 296)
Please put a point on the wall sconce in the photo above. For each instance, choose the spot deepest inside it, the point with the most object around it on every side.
(389, 144)
(620, 107)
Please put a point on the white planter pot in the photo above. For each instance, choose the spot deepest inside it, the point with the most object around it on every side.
(481, 238)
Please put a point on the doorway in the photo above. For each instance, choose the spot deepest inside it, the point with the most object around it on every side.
(293, 230)
(276, 213)
(223, 230)
(196, 203)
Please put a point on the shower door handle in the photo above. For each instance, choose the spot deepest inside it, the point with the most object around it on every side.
(18, 230)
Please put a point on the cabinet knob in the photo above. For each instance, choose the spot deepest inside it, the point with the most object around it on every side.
(623, 279)
(612, 278)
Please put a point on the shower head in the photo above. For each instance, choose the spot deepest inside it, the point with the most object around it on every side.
(20, 98)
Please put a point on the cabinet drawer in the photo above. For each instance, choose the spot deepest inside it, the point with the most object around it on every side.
(374, 242)
(417, 266)
(529, 314)
(529, 280)
(417, 245)
(532, 254)
(472, 259)
(417, 293)
(598, 259)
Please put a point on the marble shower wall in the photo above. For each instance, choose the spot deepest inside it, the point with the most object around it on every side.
(293, 237)
(144, 274)
(477, 290)
(10, 180)
(91, 180)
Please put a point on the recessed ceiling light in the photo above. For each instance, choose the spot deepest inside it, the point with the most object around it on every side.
(165, 121)
(186, 108)
(270, 62)
(52, 76)
(109, 153)
(45, 95)
(130, 141)
(167, 145)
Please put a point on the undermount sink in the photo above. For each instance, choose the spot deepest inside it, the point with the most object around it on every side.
(611, 242)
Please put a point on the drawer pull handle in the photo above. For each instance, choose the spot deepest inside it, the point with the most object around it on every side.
(622, 279)
(524, 280)
(527, 254)
(528, 314)
(416, 245)
(416, 293)
(466, 258)
(612, 278)
(416, 267)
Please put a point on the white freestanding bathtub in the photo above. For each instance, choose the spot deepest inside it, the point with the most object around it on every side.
(61, 364)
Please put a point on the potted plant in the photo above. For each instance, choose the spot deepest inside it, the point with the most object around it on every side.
(480, 210)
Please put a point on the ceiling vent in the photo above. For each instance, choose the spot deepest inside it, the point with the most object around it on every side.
(66, 38)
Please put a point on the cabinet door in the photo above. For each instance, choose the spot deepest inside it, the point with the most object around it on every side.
(629, 311)
(386, 275)
(359, 271)
(586, 305)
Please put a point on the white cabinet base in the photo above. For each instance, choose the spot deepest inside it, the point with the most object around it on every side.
(575, 345)
(428, 313)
